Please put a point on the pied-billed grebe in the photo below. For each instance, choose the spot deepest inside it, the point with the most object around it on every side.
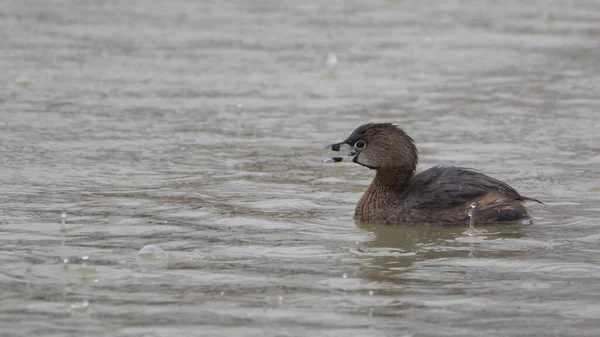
(439, 195)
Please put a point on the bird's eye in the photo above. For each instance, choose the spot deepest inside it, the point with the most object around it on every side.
(360, 144)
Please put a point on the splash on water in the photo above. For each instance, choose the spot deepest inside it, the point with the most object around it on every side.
(152, 252)
(86, 273)
(472, 231)
(332, 64)
(63, 222)
(472, 216)
(239, 109)
(23, 82)
(63, 230)
(152, 256)
(274, 301)
(81, 308)
(331, 61)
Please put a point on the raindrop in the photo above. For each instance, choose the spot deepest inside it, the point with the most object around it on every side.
(472, 231)
(344, 275)
(85, 257)
(371, 292)
(63, 222)
(472, 216)
(222, 293)
(239, 110)
(65, 260)
(331, 61)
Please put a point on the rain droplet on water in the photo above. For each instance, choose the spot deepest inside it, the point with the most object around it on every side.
(331, 61)
(371, 292)
(80, 308)
(274, 301)
(22, 82)
(472, 217)
(472, 231)
(63, 222)
(344, 275)
(240, 108)
(152, 252)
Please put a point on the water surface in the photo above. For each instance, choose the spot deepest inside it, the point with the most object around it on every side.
(199, 127)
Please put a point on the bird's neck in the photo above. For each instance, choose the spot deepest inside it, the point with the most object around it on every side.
(383, 194)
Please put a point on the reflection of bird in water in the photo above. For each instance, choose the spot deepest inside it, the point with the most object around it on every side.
(396, 249)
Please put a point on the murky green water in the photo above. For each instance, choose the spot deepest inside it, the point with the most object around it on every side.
(199, 127)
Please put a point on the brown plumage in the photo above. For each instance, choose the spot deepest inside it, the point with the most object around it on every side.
(439, 195)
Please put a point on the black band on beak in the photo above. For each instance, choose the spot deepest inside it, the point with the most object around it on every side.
(343, 146)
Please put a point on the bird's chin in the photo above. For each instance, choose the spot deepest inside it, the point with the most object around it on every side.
(356, 159)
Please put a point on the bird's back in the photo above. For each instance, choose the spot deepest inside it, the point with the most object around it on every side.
(444, 194)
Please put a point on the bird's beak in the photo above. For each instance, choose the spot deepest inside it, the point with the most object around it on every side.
(341, 147)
